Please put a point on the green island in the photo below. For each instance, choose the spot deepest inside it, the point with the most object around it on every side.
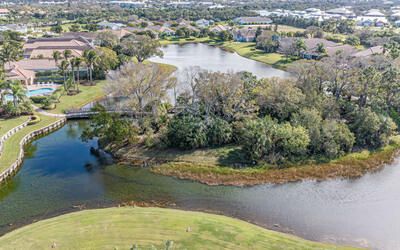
(125, 227)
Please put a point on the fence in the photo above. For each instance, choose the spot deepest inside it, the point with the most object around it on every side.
(27, 138)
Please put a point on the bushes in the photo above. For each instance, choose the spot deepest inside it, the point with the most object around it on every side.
(38, 99)
(219, 132)
(187, 132)
(371, 130)
(190, 132)
(265, 139)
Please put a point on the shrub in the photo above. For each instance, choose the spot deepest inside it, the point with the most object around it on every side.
(38, 99)
(371, 130)
(219, 132)
(34, 119)
(336, 139)
(187, 132)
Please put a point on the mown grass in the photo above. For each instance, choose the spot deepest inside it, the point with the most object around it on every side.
(11, 148)
(249, 50)
(7, 124)
(87, 95)
(352, 165)
(173, 40)
(121, 228)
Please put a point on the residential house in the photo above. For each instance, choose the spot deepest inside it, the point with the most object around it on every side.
(244, 35)
(258, 20)
(219, 28)
(110, 25)
(203, 23)
(43, 48)
(4, 12)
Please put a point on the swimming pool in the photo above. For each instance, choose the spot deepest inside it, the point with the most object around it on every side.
(41, 91)
(34, 92)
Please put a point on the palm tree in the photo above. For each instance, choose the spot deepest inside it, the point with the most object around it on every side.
(57, 56)
(77, 62)
(90, 57)
(67, 54)
(64, 66)
(18, 92)
(4, 88)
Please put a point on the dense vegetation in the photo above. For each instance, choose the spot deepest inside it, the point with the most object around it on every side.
(327, 109)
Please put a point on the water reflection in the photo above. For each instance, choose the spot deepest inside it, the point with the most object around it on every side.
(63, 174)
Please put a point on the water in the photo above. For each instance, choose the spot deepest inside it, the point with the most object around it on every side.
(34, 92)
(210, 58)
(214, 59)
(41, 91)
(59, 173)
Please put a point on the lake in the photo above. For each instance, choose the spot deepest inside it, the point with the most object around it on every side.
(214, 59)
(60, 173)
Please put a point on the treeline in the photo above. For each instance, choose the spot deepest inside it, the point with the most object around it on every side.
(326, 109)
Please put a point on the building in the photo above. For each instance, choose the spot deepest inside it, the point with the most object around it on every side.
(110, 25)
(258, 20)
(43, 48)
(4, 12)
(15, 27)
(128, 4)
(219, 28)
(244, 35)
(203, 23)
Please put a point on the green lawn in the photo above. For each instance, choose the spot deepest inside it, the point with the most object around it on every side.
(87, 95)
(121, 228)
(248, 50)
(7, 124)
(170, 40)
(11, 146)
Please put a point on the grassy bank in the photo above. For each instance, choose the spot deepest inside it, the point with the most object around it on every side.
(249, 50)
(11, 148)
(7, 124)
(173, 40)
(212, 173)
(121, 228)
(87, 95)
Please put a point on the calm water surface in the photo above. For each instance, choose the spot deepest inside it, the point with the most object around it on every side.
(60, 173)
(214, 59)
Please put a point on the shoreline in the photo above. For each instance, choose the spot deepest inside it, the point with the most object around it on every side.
(189, 222)
(204, 170)
(225, 47)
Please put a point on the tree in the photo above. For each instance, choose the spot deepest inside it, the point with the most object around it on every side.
(75, 28)
(63, 67)
(219, 132)
(109, 128)
(77, 62)
(67, 54)
(107, 39)
(56, 29)
(17, 92)
(321, 48)
(141, 47)
(187, 132)
(278, 97)
(336, 139)
(90, 57)
(106, 60)
(10, 51)
(353, 40)
(145, 85)
(300, 46)
(57, 55)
